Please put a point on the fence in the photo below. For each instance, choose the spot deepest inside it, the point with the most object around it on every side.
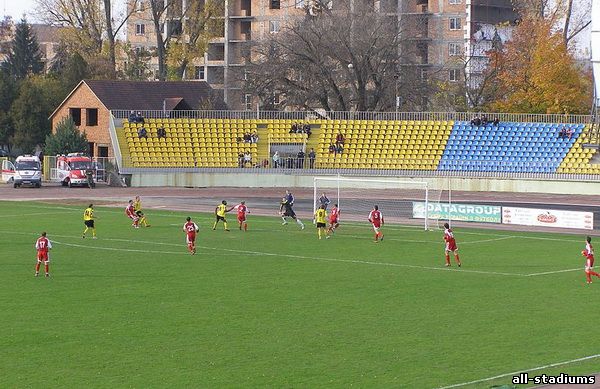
(416, 167)
(306, 115)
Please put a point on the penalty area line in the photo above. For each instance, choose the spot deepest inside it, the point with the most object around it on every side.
(514, 373)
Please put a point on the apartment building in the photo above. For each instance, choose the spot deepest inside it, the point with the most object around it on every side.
(444, 38)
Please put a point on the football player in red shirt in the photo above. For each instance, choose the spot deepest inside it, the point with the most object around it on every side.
(130, 212)
(334, 220)
(588, 253)
(376, 219)
(42, 245)
(190, 228)
(242, 210)
(450, 245)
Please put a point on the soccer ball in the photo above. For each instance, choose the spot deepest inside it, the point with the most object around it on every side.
(584, 253)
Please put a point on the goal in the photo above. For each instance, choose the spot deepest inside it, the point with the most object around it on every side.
(401, 201)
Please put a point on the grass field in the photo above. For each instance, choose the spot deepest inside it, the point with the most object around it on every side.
(275, 307)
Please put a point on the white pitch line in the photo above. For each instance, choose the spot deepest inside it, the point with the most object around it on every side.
(119, 249)
(522, 371)
(486, 240)
(302, 257)
(35, 214)
(553, 272)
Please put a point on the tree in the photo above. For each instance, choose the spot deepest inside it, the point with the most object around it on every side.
(24, 57)
(91, 29)
(202, 21)
(344, 59)
(37, 98)
(538, 75)
(66, 139)
(136, 67)
(8, 91)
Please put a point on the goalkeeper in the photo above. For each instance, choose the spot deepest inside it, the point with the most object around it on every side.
(286, 210)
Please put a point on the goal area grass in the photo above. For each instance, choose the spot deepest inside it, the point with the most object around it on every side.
(276, 307)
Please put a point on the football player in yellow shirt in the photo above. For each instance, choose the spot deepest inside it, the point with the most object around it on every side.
(220, 212)
(321, 220)
(88, 220)
(137, 207)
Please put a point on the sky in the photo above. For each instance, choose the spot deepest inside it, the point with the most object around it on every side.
(16, 8)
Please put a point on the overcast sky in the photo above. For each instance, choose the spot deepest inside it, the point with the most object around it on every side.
(16, 8)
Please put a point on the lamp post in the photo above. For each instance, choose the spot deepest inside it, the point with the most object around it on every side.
(397, 97)
(350, 67)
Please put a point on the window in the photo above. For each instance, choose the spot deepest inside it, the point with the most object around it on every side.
(275, 4)
(91, 117)
(300, 4)
(454, 49)
(274, 26)
(455, 24)
(75, 114)
(199, 73)
(424, 74)
(454, 1)
(140, 29)
(139, 5)
(453, 75)
(248, 101)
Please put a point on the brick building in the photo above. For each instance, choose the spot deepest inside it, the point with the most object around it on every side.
(90, 104)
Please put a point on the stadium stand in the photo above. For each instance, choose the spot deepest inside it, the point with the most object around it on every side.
(508, 147)
(369, 144)
(383, 144)
(189, 142)
(578, 158)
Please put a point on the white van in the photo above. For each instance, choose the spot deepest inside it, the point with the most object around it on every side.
(27, 170)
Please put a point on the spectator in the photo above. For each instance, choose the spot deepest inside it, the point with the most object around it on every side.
(247, 158)
(239, 139)
(294, 128)
(276, 160)
(254, 137)
(476, 121)
(311, 158)
(562, 133)
(484, 120)
(140, 118)
(161, 133)
(247, 137)
(339, 149)
(142, 133)
(339, 139)
(332, 148)
(241, 159)
(307, 130)
(570, 133)
(300, 161)
(132, 117)
(496, 122)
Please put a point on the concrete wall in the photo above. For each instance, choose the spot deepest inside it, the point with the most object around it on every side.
(254, 180)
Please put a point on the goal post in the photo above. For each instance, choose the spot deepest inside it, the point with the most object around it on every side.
(401, 201)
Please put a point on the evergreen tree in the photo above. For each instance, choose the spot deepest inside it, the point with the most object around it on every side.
(37, 98)
(24, 57)
(66, 139)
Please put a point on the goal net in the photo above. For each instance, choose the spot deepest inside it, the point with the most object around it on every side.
(400, 201)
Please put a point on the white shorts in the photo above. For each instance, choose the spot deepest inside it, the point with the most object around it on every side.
(376, 229)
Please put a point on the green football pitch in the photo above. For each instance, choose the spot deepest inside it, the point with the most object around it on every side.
(276, 307)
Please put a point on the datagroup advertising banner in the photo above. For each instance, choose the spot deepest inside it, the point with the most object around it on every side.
(462, 212)
(547, 218)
